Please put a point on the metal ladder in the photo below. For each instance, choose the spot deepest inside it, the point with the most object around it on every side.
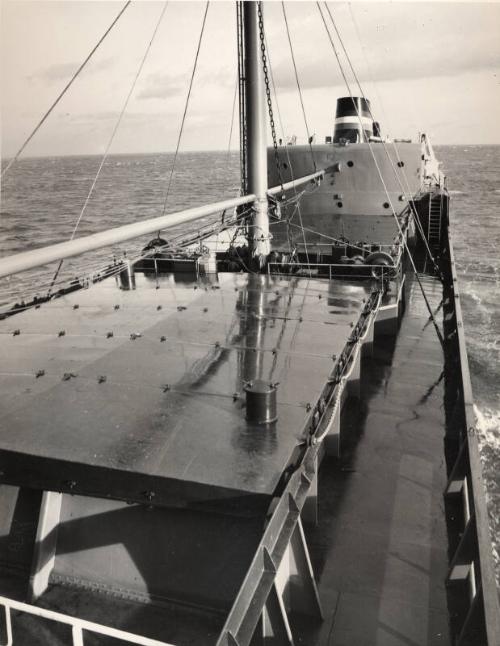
(434, 221)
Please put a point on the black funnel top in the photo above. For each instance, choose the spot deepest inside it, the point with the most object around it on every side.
(353, 122)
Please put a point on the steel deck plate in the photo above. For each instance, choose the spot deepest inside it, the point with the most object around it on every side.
(154, 418)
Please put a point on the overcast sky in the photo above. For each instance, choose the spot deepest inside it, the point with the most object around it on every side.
(430, 67)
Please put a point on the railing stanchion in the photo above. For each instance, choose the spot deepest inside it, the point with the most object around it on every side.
(77, 635)
(8, 627)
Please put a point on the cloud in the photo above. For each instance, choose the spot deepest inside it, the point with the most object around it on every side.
(396, 42)
(103, 117)
(167, 86)
(162, 86)
(316, 74)
(64, 71)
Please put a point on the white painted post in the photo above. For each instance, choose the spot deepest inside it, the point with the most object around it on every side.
(304, 595)
(310, 507)
(45, 544)
(276, 629)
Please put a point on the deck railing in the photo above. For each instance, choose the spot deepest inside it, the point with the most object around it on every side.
(332, 270)
(78, 626)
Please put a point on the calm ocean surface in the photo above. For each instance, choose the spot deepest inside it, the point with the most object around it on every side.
(41, 200)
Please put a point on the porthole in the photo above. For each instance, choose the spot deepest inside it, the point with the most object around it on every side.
(285, 165)
(350, 163)
(386, 205)
(340, 205)
(401, 164)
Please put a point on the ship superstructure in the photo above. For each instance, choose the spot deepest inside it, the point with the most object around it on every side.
(263, 434)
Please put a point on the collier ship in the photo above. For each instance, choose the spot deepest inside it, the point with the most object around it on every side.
(261, 429)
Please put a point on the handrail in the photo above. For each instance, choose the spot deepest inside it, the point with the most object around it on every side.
(78, 625)
(335, 269)
(37, 257)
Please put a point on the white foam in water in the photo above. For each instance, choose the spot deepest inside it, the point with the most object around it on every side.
(488, 427)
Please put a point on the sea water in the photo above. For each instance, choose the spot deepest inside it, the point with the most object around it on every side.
(473, 174)
(42, 200)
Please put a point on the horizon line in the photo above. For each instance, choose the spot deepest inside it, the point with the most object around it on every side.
(171, 152)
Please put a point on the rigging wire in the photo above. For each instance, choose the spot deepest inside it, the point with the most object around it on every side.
(409, 104)
(224, 223)
(228, 154)
(101, 268)
(408, 195)
(193, 72)
(403, 238)
(290, 240)
(290, 166)
(407, 192)
(115, 130)
(309, 139)
(269, 101)
(365, 57)
(65, 89)
(398, 179)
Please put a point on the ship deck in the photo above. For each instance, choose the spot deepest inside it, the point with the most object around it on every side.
(379, 551)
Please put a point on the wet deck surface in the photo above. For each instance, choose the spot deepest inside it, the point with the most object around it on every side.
(157, 412)
(380, 551)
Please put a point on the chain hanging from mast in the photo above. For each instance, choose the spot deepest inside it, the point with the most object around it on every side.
(268, 96)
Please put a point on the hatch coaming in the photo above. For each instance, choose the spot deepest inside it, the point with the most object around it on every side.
(148, 384)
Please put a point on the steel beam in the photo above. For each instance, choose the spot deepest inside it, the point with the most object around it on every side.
(295, 577)
(44, 255)
(297, 182)
(276, 629)
(38, 257)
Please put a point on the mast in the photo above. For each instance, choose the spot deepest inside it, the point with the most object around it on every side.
(256, 162)
(241, 92)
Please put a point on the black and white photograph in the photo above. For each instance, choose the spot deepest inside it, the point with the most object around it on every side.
(249, 323)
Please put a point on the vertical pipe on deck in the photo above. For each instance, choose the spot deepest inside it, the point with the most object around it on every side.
(259, 238)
